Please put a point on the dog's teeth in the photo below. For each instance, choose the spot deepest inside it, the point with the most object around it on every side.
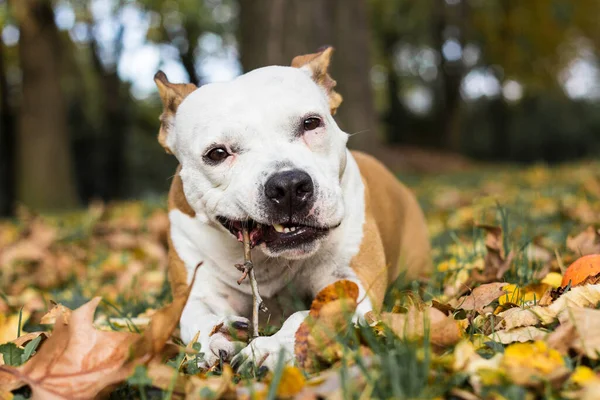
(286, 230)
(278, 228)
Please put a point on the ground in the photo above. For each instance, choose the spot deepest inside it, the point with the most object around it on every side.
(508, 231)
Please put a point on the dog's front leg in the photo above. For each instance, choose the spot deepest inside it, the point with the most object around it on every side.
(222, 334)
(265, 351)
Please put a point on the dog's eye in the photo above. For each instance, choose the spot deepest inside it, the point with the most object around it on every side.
(311, 123)
(216, 155)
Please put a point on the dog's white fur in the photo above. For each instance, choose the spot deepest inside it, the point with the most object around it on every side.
(257, 117)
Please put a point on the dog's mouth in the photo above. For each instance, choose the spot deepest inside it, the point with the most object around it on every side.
(282, 236)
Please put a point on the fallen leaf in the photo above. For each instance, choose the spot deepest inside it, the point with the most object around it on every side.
(444, 331)
(162, 325)
(79, 360)
(579, 332)
(553, 279)
(525, 296)
(497, 263)
(481, 296)
(329, 314)
(214, 387)
(58, 310)
(586, 242)
(523, 334)
(584, 270)
(530, 364)
(76, 359)
(581, 296)
(9, 325)
(583, 376)
(291, 383)
(479, 369)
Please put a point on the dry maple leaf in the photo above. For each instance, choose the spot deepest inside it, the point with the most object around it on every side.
(329, 312)
(522, 334)
(586, 242)
(530, 364)
(481, 296)
(444, 331)
(580, 296)
(497, 263)
(58, 310)
(578, 331)
(79, 361)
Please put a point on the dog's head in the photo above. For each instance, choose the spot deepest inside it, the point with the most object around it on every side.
(262, 151)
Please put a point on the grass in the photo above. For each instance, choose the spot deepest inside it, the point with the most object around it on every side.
(535, 205)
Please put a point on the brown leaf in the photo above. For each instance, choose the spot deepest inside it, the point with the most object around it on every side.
(523, 334)
(481, 296)
(578, 331)
(329, 312)
(58, 310)
(76, 359)
(219, 386)
(586, 242)
(22, 340)
(580, 296)
(496, 262)
(162, 325)
(80, 361)
(444, 331)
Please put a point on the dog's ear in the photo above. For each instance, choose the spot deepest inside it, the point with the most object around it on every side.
(171, 94)
(318, 64)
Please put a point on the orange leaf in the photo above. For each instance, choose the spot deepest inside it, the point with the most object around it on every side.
(76, 359)
(329, 312)
(584, 270)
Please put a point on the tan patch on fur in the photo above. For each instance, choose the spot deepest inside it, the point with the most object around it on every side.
(319, 65)
(171, 94)
(177, 270)
(395, 237)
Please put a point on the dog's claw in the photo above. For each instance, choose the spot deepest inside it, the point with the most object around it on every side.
(223, 355)
(240, 325)
(237, 361)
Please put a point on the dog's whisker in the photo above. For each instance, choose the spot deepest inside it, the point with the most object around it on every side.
(359, 132)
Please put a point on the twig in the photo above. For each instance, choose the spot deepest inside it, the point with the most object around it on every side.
(248, 270)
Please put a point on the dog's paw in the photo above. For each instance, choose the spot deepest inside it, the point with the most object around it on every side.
(225, 340)
(263, 352)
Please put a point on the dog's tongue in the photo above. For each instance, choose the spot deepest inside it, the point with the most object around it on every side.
(255, 236)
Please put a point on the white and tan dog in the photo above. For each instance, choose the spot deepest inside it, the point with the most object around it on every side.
(264, 151)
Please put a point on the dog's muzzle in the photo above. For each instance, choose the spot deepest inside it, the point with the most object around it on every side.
(288, 198)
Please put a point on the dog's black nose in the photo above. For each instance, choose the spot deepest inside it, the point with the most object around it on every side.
(290, 191)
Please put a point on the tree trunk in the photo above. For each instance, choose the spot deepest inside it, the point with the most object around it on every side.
(452, 73)
(7, 144)
(45, 168)
(115, 124)
(272, 32)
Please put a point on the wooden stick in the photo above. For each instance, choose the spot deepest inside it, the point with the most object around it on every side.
(248, 270)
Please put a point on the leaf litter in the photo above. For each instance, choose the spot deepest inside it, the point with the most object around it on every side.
(497, 314)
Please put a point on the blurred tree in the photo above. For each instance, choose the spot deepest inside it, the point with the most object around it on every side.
(45, 168)
(272, 32)
(7, 142)
(115, 105)
(181, 24)
(449, 25)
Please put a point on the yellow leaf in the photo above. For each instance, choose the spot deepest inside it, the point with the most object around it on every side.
(527, 363)
(528, 295)
(583, 376)
(553, 279)
(9, 326)
(292, 382)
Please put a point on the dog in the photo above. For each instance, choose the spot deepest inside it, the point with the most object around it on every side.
(264, 152)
